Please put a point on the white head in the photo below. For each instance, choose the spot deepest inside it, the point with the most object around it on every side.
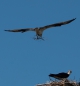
(69, 72)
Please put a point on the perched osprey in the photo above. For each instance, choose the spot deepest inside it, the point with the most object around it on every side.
(61, 76)
(39, 30)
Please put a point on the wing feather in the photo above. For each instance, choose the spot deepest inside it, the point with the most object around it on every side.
(20, 30)
(57, 24)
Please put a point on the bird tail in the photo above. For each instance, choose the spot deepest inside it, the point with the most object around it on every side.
(51, 75)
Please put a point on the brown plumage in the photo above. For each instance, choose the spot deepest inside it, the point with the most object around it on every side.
(61, 76)
(39, 30)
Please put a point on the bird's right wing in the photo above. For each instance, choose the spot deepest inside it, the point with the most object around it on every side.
(21, 30)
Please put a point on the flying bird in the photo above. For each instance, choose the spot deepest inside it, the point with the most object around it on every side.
(61, 76)
(39, 30)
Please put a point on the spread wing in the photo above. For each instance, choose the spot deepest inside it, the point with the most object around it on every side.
(42, 28)
(21, 30)
(57, 24)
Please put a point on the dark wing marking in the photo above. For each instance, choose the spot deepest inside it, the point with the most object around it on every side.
(21, 30)
(56, 24)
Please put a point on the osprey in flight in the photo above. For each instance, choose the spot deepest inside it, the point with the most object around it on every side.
(61, 76)
(39, 30)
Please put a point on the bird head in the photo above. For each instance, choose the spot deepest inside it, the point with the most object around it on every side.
(69, 72)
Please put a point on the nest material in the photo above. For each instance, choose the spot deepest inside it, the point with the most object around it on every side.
(60, 83)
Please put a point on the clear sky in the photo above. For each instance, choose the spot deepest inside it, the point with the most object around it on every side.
(27, 62)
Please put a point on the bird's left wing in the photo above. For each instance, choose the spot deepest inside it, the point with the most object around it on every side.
(21, 30)
(57, 24)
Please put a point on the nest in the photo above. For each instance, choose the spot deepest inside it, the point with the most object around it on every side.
(60, 83)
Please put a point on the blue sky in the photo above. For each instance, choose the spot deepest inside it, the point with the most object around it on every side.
(27, 62)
